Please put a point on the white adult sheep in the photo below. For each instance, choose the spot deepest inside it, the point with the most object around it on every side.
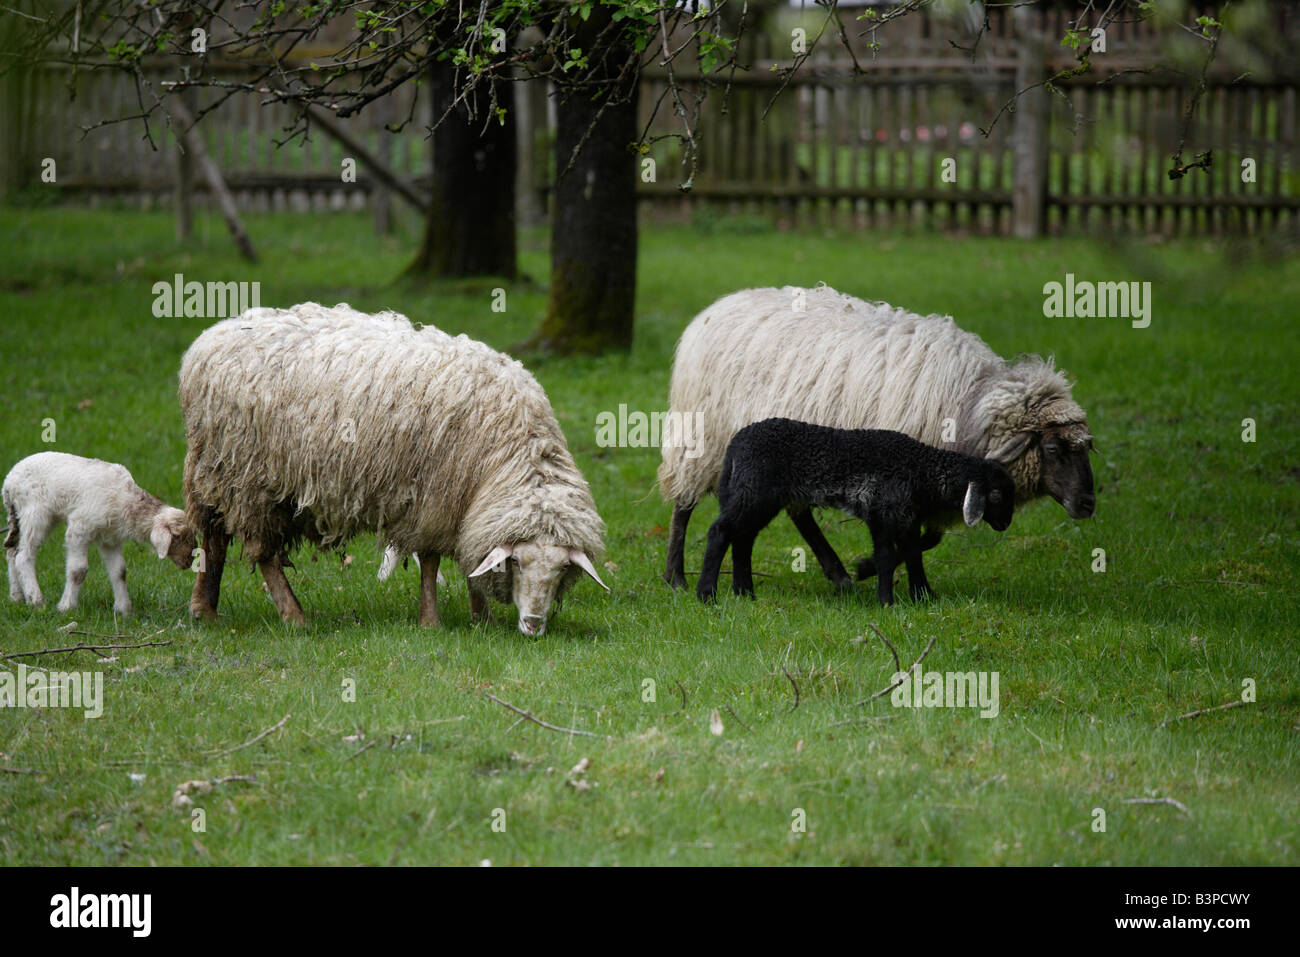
(101, 505)
(816, 355)
(317, 423)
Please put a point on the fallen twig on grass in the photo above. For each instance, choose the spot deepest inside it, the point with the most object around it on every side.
(21, 770)
(898, 665)
(1170, 801)
(884, 691)
(794, 685)
(55, 651)
(876, 717)
(683, 691)
(363, 748)
(1201, 711)
(252, 741)
(737, 717)
(539, 722)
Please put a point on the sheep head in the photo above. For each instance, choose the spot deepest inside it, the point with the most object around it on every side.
(1058, 455)
(533, 575)
(990, 495)
(172, 536)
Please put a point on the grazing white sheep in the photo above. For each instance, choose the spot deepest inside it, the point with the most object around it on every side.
(318, 423)
(101, 505)
(815, 355)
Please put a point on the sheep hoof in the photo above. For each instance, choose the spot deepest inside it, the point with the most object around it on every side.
(843, 585)
(203, 612)
(675, 581)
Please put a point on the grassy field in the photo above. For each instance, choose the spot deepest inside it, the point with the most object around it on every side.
(1199, 530)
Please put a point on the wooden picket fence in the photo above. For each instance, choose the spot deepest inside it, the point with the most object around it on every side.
(901, 143)
(909, 148)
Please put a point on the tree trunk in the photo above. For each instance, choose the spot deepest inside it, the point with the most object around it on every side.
(593, 223)
(470, 227)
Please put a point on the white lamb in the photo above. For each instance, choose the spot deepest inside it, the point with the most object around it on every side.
(102, 505)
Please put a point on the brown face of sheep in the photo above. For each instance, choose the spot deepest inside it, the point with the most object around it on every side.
(173, 538)
(536, 575)
(1059, 455)
(1067, 472)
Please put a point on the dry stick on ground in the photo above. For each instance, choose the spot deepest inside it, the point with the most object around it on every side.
(737, 717)
(795, 685)
(898, 665)
(1196, 714)
(539, 722)
(1170, 801)
(366, 747)
(252, 741)
(885, 691)
(21, 771)
(683, 691)
(53, 651)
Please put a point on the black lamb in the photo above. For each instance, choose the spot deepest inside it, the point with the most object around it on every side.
(889, 480)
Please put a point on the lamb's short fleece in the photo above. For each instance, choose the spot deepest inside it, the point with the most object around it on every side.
(102, 505)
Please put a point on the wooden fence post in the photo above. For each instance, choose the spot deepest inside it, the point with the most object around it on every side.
(1029, 149)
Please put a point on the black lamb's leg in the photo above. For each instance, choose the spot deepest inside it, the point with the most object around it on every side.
(675, 570)
(866, 567)
(706, 587)
(917, 586)
(832, 567)
(886, 556)
(742, 564)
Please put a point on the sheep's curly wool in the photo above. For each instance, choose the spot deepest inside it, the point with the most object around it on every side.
(320, 422)
(843, 362)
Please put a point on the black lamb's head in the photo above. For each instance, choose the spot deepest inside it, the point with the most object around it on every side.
(990, 495)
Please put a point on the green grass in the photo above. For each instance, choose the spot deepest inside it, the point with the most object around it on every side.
(1199, 529)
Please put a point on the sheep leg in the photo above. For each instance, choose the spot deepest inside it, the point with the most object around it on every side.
(917, 585)
(207, 584)
(285, 600)
(15, 586)
(429, 589)
(867, 563)
(32, 535)
(76, 567)
(115, 565)
(675, 570)
(832, 567)
(886, 559)
(742, 564)
(706, 588)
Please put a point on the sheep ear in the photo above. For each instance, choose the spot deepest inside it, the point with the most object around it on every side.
(580, 559)
(495, 557)
(1013, 449)
(160, 537)
(973, 508)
